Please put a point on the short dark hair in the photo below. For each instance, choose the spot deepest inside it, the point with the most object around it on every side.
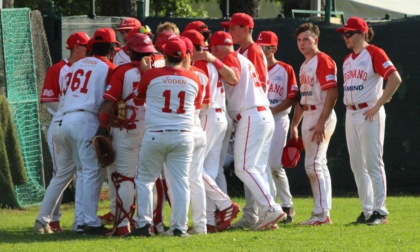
(307, 27)
(136, 56)
(173, 60)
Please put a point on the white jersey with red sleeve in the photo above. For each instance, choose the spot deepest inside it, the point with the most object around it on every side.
(158, 60)
(364, 74)
(283, 84)
(256, 55)
(88, 79)
(248, 92)
(215, 88)
(124, 81)
(205, 85)
(315, 76)
(172, 97)
(55, 83)
(121, 57)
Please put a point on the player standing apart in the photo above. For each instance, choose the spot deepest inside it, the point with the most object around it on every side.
(254, 125)
(318, 89)
(364, 71)
(55, 84)
(282, 96)
(171, 93)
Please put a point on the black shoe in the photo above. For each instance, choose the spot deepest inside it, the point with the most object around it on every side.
(376, 219)
(290, 214)
(80, 229)
(179, 233)
(143, 231)
(101, 230)
(361, 219)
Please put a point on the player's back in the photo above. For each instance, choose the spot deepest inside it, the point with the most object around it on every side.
(88, 80)
(171, 98)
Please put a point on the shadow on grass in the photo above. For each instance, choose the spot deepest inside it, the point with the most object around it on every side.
(27, 236)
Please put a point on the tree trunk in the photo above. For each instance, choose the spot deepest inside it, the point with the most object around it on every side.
(245, 6)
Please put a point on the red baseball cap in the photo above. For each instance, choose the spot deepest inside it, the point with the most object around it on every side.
(221, 38)
(196, 25)
(188, 43)
(162, 39)
(176, 47)
(77, 38)
(239, 19)
(354, 24)
(104, 35)
(196, 37)
(267, 38)
(128, 24)
(291, 153)
(141, 43)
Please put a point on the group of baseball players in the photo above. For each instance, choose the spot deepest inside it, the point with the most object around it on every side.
(185, 98)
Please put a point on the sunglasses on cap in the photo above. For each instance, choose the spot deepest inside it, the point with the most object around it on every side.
(266, 48)
(349, 34)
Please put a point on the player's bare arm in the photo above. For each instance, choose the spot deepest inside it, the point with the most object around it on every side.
(225, 72)
(319, 128)
(297, 117)
(394, 80)
(283, 106)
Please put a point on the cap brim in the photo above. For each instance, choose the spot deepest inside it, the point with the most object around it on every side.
(145, 49)
(344, 29)
(226, 24)
(126, 28)
(264, 44)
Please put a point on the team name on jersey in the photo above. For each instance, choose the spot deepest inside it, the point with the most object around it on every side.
(353, 88)
(174, 81)
(306, 80)
(355, 73)
(48, 92)
(306, 93)
(276, 89)
(274, 101)
(88, 61)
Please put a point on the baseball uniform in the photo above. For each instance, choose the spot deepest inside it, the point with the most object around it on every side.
(315, 77)
(363, 81)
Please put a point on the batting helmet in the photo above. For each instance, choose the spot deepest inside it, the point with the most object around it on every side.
(141, 43)
(291, 153)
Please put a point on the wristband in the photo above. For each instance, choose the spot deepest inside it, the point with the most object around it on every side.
(218, 64)
(103, 120)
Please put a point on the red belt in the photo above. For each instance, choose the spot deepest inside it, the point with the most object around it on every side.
(357, 106)
(218, 110)
(309, 107)
(259, 109)
(170, 130)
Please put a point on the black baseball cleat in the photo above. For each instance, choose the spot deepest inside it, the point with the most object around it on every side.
(377, 219)
(142, 232)
(290, 214)
(80, 229)
(179, 233)
(101, 230)
(361, 219)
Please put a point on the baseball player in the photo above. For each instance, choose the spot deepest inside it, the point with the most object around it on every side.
(127, 137)
(167, 27)
(318, 89)
(172, 93)
(364, 70)
(254, 125)
(240, 27)
(282, 96)
(127, 24)
(213, 122)
(55, 84)
(201, 28)
(88, 80)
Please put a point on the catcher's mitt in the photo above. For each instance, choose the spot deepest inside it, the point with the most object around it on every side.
(291, 153)
(105, 152)
(118, 115)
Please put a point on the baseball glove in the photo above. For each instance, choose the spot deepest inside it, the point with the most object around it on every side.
(118, 115)
(105, 152)
(291, 153)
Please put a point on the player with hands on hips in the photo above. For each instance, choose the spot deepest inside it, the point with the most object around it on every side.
(318, 89)
(53, 90)
(128, 131)
(282, 96)
(172, 94)
(364, 70)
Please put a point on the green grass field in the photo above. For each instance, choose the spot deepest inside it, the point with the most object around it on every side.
(401, 234)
